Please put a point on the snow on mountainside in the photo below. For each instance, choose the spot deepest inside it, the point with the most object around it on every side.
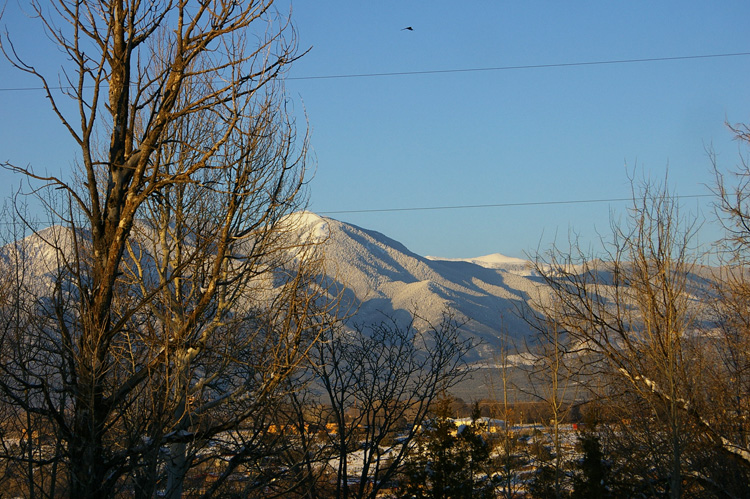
(383, 278)
(380, 278)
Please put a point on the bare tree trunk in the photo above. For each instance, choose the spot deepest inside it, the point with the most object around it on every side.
(553, 378)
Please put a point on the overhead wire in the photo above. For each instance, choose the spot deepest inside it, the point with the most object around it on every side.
(519, 67)
(497, 205)
(471, 70)
(484, 69)
(486, 206)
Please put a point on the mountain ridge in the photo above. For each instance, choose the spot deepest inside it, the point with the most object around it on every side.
(382, 277)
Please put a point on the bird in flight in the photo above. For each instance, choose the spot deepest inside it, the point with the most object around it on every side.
(408, 28)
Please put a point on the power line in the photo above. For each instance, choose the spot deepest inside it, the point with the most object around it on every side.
(498, 205)
(485, 206)
(469, 70)
(527, 66)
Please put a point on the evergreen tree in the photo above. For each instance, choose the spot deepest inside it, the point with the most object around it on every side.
(543, 483)
(450, 461)
(592, 477)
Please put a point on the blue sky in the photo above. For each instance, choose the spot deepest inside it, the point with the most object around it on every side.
(489, 137)
(514, 136)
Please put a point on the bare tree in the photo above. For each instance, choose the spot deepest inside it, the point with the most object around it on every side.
(725, 413)
(378, 382)
(177, 295)
(257, 326)
(633, 317)
(553, 380)
(30, 443)
(510, 453)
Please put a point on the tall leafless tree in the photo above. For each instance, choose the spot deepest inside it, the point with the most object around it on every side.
(553, 381)
(177, 301)
(509, 451)
(632, 317)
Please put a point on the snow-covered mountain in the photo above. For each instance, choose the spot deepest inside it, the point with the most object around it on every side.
(380, 279)
(383, 278)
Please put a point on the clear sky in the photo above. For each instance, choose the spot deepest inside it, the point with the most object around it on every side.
(508, 136)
